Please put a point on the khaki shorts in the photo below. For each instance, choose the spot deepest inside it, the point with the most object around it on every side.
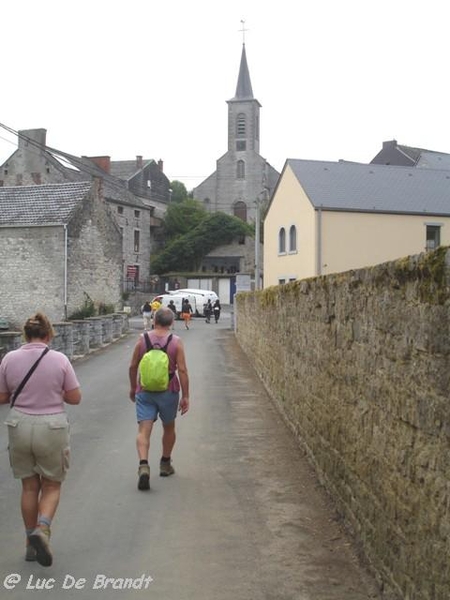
(38, 444)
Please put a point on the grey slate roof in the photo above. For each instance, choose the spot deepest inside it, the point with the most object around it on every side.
(125, 169)
(433, 160)
(41, 204)
(244, 86)
(374, 188)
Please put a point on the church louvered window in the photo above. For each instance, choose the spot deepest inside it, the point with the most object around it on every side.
(240, 125)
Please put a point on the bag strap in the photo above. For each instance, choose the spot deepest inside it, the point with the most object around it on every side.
(28, 375)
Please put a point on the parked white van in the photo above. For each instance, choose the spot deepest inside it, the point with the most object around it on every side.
(202, 295)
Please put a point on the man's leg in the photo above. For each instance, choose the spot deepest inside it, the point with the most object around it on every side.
(168, 442)
(143, 447)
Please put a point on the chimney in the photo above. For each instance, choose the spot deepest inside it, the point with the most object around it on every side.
(161, 165)
(104, 162)
(139, 162)
(32, 137)
(98, 187)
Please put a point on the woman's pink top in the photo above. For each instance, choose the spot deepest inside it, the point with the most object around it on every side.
(43, 392)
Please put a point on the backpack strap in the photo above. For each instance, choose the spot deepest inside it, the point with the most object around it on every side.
(148, 344)
(169, 339)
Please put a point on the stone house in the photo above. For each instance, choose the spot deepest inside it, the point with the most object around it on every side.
(243, 180)
(138, 192)
(328, 217)
(59, 247)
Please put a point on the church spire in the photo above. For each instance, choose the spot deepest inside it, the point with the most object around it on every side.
(244, 85)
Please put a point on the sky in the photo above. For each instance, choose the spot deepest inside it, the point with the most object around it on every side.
(143, 77)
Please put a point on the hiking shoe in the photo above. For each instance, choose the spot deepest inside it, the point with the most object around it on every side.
(144, 477)
(166, 469)
(30, 553)
(40, 539)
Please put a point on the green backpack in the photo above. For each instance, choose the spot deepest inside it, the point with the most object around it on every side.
(154, 372)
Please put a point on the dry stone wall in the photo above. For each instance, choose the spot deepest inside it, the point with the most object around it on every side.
(358, 364)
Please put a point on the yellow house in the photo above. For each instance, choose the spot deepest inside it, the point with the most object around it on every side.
(327, 217)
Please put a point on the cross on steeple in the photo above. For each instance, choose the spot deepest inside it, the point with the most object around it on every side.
(243, 30)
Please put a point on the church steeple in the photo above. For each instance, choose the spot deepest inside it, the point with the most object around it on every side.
(244, 85)
(243, 113)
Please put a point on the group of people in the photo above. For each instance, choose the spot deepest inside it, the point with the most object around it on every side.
(211, 309)
(38, 429)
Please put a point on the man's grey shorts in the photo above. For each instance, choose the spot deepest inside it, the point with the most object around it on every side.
(38, 444)
(151, 404)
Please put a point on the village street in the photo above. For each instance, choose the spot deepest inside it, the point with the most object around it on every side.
(243, 518)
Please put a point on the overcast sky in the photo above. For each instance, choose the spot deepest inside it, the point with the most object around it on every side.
(151, 77)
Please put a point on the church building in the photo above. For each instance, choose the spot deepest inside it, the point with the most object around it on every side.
(243, 177)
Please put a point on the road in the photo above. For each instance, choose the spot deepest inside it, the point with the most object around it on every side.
(243, 518)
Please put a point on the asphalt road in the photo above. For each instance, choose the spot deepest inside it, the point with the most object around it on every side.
(243, 518)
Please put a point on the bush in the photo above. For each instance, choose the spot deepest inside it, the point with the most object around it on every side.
(87, 310)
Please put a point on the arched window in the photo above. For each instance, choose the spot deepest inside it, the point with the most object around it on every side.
(240, 125)
(207, 204)
(240, 169)
(240, 210)
(282, 241)
(293, 239)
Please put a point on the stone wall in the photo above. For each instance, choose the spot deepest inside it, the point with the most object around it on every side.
(94, 255)
(32, 273)
(75, 338)
(358, 364)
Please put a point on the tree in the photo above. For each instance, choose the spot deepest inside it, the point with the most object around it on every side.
(186, 251)
(179, 191)
(181, 217)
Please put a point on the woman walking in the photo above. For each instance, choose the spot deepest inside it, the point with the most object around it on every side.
(37, 381)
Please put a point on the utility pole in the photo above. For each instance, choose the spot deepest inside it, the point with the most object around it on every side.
(257, 244)
(262, 198)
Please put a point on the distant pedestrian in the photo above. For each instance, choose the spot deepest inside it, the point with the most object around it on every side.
(154, 307)
(147, 315)
(186, 312)
(207, 311)
(216, 310)
(38, 381)
(173, 308)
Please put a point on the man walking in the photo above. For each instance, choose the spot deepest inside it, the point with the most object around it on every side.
(150, 405)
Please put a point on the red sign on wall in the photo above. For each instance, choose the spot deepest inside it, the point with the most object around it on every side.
(132, 272)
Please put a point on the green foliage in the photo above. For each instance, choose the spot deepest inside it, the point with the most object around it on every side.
(179, 192)
(186, 251)
(87, 310)
(182, 217)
